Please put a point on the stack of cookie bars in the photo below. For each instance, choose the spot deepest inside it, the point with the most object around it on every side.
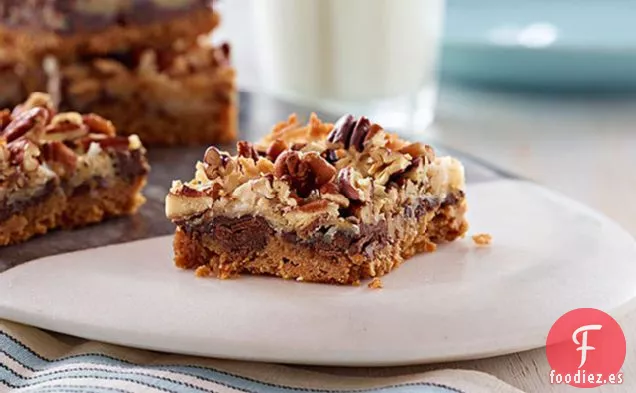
(147, 65)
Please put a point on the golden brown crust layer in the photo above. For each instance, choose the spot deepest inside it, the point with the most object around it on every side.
(184, 30)
(34, 220)
(60, 211)
(294, 260)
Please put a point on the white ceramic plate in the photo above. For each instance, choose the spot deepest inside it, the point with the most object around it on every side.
(549, 255)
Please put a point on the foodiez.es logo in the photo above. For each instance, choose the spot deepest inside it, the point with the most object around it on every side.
(586, 348)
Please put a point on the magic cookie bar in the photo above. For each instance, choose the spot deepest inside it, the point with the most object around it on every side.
(63, 170)
(324, 203)
(72, 29)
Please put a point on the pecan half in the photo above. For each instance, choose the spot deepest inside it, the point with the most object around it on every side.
(212, 157)
(352, 133)
(36, 100)
(31, 122)
(359, 133)
(98, 125)
(58, 152)
(275, 149)
(245, 149)
(66, 127)
(322, 170)
(341, 132)
(305, 172)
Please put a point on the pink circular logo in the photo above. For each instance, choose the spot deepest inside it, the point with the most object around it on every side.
(586, 348)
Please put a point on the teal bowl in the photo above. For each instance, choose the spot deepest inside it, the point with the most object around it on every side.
(539, 44)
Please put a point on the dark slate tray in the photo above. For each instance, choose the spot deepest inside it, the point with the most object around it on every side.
(258, 114)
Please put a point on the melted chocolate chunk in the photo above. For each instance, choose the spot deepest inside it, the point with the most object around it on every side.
(246, 235)
(241, 236)
(130, 164)
(6, 211)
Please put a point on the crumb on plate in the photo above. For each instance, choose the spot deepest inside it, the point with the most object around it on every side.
(203, 271)
(376, 283)
(482, 239)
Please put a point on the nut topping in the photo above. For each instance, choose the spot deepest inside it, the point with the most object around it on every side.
(274, 150)
(24, 153)
(305, 172)
(58, 152)
(98, 125)
(323, 171)
(245, 149)
(359, 133)
(353, 133)
(30, 123)
(65, 127)
(353, 185)
(418, 149)
(212, 157)
(341, 132)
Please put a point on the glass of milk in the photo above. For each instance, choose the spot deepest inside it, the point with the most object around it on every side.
(366, 57)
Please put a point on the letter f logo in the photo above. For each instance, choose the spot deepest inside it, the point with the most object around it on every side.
(583, 344)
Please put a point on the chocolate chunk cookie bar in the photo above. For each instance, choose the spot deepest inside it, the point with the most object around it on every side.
(63, 170)
(68, 29)
(320, 202)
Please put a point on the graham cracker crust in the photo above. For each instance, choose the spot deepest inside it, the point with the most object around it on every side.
(59, 211)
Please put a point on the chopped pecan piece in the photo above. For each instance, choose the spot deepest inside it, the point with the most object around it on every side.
(353, 185)
(213, 157)
(66, 127)
(352, 133)
(25, 153)
(98, 125)
(58, 152)
(314, 206)
(305, 172)
(275, 149)
(245, 149)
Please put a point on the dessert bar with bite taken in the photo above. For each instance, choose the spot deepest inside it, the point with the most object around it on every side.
(64, 170)
(317, 202)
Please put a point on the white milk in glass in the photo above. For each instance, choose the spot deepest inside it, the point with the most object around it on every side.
(368, 57)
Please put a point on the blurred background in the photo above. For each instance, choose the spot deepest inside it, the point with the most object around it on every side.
(541, 88)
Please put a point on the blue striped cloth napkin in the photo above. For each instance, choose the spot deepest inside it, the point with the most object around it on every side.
(32, 360)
